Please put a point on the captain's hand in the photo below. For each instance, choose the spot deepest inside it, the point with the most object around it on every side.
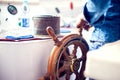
(83, 24)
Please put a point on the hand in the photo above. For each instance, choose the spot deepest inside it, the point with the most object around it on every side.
(84, 24)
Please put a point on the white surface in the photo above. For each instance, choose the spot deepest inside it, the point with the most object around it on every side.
(104, 63)
(24, 60)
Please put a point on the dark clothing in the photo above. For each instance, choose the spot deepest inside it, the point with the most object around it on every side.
(104, 16)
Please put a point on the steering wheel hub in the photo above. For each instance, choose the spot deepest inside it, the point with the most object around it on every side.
(75, 65)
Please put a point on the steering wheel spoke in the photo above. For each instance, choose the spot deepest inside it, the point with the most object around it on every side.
(75, 50)
(64, 67)
(66, 54)
(68, 74)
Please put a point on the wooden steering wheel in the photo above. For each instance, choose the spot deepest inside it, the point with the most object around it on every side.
(68, 57)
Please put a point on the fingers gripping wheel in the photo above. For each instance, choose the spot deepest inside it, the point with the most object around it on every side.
(68, 57)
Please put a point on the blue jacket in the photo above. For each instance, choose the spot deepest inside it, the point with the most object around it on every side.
(104, 15)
